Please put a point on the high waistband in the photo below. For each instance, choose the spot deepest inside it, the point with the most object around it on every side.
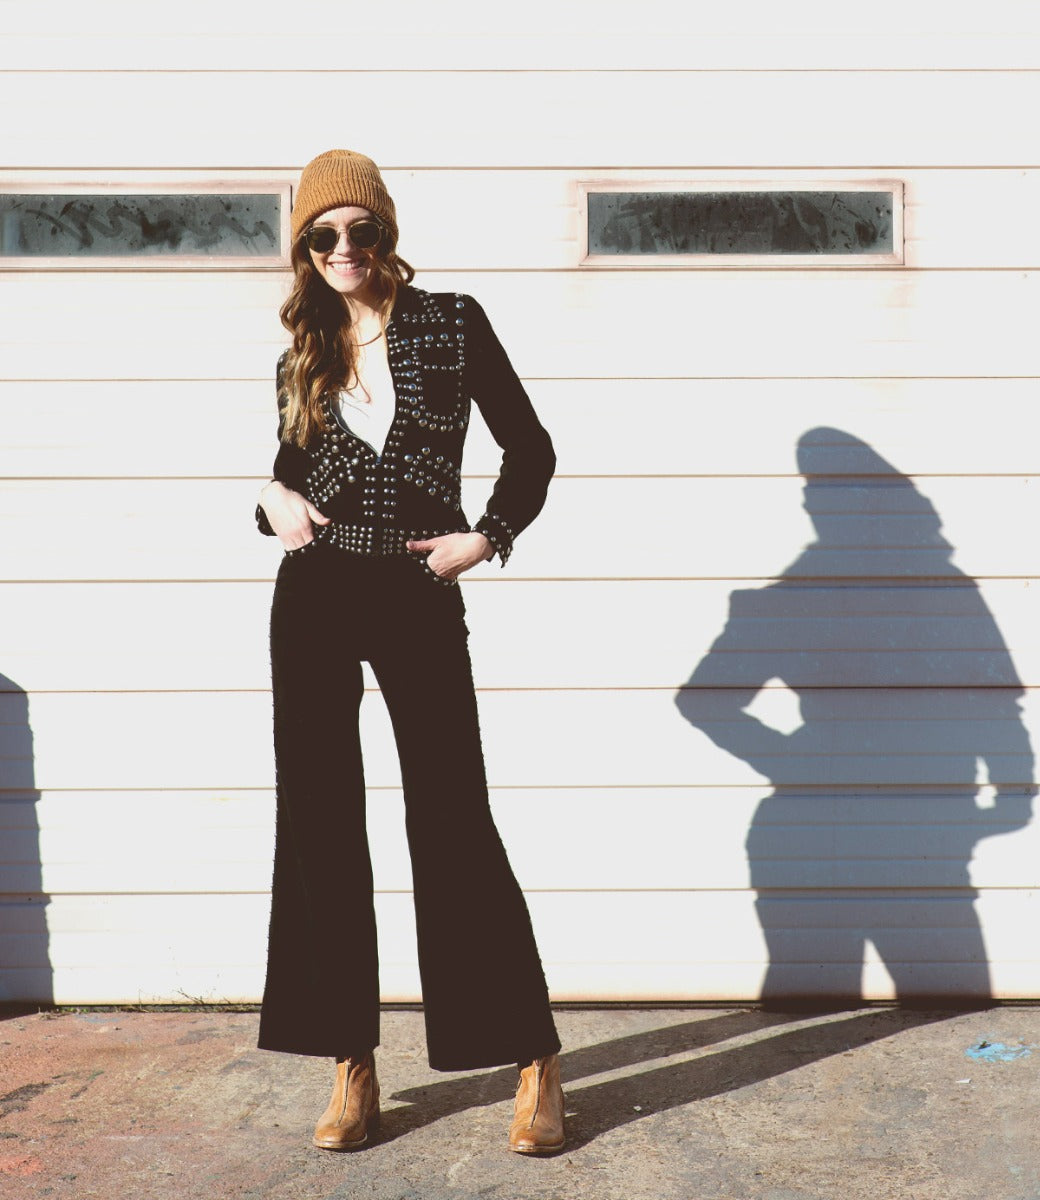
(368, 543)
(375, 540)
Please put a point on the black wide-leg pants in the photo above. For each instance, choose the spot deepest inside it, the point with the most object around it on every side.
(484, 992)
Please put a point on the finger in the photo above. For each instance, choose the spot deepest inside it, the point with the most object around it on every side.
(420, 545)
(316, 516)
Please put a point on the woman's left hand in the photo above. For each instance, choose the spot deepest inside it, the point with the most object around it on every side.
(452, 553)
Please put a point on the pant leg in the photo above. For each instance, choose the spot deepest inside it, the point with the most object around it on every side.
(484, 991)
(322, 990)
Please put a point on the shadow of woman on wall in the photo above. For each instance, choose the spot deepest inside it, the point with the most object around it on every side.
(910, 748)
(25, 969)
(907, 695)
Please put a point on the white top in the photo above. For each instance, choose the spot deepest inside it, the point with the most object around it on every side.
(368, 409)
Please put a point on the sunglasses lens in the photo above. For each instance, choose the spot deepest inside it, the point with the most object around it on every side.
(365, 234)
(322, 238)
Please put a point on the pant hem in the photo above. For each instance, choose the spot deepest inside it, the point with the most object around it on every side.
(482, 1062)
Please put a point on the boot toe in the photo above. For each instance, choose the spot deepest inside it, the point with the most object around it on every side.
(528, 1143)
(334, 1141)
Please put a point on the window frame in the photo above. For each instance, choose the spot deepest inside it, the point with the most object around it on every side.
(718, 262)
(155, 262)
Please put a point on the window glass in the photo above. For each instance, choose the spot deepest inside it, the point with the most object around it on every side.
(758, 222)
(112, 225)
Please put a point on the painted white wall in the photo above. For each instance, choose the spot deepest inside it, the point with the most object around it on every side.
(137, 410)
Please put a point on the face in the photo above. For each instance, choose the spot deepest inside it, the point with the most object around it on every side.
(345, 268)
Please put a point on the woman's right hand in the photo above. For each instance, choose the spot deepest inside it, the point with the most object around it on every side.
(291, 515)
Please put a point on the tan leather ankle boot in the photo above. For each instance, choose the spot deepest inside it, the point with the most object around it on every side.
(537, 1126)
(354, 1108)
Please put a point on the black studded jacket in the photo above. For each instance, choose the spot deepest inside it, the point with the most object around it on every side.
(443, 354)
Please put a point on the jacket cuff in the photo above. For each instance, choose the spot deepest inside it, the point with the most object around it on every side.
(498, 534)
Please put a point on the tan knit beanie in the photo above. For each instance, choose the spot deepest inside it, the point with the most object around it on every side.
(340, 178)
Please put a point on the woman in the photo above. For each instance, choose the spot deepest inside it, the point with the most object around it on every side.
(373, 400)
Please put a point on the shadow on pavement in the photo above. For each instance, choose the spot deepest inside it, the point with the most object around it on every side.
(598, 1107)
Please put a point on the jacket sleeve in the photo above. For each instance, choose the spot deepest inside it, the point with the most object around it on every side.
(528, 458)
(291, 463)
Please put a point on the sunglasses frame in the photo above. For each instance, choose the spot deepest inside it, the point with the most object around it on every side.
(323, 232)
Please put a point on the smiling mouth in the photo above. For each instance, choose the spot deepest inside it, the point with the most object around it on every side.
(347, 266)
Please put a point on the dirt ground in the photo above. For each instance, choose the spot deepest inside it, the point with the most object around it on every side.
(690, 1104)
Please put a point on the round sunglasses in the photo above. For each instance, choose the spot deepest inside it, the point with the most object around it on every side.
(365, 233)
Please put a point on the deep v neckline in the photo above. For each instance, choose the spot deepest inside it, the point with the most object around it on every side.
(369, 421)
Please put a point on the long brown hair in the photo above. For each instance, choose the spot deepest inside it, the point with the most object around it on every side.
(323, 356)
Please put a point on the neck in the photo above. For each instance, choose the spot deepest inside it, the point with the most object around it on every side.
(366, 319)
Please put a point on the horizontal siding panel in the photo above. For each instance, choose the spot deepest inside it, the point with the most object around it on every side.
(719, 937)
(215, 636)
(540, 208)
(644, 528)
(849, 738)
(77, 528)
(186, 842)
(458, 37)
(757, 527)
(63, 428)
(690, 982)
(595, 946)
(720, 323)
(513, 118)
(943, 206)
(140, 842)
(180, 429)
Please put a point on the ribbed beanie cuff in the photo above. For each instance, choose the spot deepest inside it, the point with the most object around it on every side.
(338, 179)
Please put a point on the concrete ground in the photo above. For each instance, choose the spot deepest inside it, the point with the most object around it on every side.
(695, 1104)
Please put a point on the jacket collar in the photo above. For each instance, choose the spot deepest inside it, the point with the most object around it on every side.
(406, 301)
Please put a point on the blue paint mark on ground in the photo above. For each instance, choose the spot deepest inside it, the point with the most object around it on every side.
(994, 1052)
